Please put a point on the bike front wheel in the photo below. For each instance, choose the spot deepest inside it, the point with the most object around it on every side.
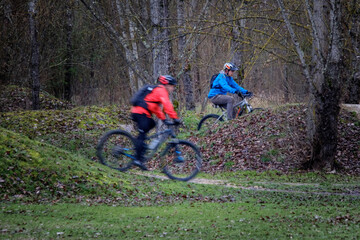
(210, 121)
(182, 160)
(116, 149)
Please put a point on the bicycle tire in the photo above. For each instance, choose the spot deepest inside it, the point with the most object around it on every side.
(208, 121)
(182, 169)
(116, 149)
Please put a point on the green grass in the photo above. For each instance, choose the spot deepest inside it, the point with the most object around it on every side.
(265, 216)
(52, 186)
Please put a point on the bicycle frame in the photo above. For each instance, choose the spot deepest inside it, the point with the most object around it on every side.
(179, 159)
(243, 104)
(163, 135)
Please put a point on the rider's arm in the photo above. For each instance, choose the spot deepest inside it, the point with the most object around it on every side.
(233, 84)
(161, 96)
(224, 84)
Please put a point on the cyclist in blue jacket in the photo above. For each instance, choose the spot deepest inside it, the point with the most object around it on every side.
(223, 84)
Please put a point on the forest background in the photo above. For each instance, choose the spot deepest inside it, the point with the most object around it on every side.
(101, 52)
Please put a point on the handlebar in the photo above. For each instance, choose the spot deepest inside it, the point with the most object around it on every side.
(249, 94)
(172, 123)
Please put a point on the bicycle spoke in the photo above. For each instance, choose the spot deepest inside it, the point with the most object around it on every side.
(210, 122)
(183, 161)
(116, 150)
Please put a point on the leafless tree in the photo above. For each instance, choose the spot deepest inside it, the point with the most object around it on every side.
(161, 47)
(34, 62)
(69, 22)
(324, 77)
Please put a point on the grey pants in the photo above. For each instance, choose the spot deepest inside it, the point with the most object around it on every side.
(227, 101)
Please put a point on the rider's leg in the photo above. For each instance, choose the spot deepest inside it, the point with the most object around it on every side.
(226, 100)
(144, 125)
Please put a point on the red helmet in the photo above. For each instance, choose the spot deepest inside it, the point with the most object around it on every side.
(167, 79)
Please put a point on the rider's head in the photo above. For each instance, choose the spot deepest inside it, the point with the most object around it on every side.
(168, 81)
(230, 67)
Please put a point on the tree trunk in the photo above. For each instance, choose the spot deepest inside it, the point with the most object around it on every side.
(132, 31)
(69, 51)
(4, 55)
(236, 46)
(324, 109)
(187, 81)
(353, 85)
(324, 80)
(120, 42)
(286, 82)
(161, 48)
(34, 61)
(128, 54)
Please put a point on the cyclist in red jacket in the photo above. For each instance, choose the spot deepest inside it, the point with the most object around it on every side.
(143, 118)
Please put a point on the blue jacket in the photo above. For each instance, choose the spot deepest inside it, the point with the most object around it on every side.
(224, 84)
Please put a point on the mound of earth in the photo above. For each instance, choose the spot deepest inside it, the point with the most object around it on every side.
(15, 98)
(274, 140)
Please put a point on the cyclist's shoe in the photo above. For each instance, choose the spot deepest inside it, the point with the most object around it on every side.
(140, 165)
(179, 160)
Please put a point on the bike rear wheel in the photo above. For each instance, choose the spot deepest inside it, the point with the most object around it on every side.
(116, 149)
(210, 121)
(183, 160)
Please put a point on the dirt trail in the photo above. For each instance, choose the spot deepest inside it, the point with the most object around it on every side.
(224, 183)
(352, 108)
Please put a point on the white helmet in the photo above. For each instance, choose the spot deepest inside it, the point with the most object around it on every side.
(230, 66)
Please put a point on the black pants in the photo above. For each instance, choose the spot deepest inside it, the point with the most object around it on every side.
(144, 125)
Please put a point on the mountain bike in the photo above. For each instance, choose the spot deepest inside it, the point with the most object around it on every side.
(179, 159)
(212, 121)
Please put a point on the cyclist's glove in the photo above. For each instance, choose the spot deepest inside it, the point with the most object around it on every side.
(249, 94)
(177, 122)
(167, 122)
(174, 122)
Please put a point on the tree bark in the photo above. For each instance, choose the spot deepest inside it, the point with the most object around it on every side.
(34, 61)
(353, 85)
(186, 68)
(69, 51)
(161, 48)
(324, 79)
(236, 46)
(324, 109)
(128, 54)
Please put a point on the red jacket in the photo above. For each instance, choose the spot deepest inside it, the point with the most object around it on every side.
(159, 96)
